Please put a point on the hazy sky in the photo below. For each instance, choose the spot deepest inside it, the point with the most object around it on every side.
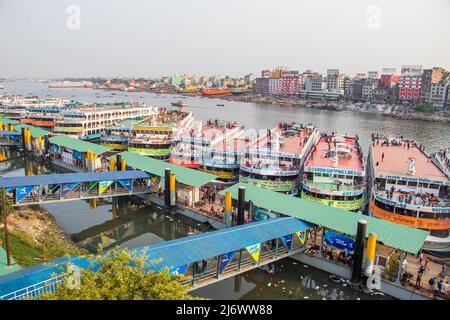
(156, 37)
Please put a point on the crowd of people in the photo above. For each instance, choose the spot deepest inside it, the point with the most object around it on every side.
(416, 198)
(437, 284)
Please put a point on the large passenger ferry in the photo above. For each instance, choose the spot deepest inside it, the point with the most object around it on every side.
(116, 136)
(88, 121)
(334, 172)
(442, 159)
(154, 136)
(275, 161)
(406, 187)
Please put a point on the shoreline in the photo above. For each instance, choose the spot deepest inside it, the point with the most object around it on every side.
(403, 112)
(36, 237)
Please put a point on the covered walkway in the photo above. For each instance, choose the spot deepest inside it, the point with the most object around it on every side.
(205, 257)
(26, 190)
(394, 235)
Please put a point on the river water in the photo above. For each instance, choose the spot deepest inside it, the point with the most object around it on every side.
(122, 221)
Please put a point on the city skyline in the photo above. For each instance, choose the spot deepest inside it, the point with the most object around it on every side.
(201, 38)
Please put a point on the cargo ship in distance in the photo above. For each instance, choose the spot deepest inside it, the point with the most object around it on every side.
(407, 187)
(334, 172)
(215, 92)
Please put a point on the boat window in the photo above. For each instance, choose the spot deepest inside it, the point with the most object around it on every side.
(412, 184)
(391, 181)
(434, 186)
(401, 182)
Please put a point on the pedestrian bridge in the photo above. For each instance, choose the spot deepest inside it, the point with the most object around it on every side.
(203, 258)
(39, 189)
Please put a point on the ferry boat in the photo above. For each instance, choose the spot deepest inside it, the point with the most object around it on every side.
(154, 136)
(334, 172)
(116, 136)
(408, 188)
(215, 92)
(442, 159)
(275, 161)
(204, 148)
(88, 121)
(178, 103)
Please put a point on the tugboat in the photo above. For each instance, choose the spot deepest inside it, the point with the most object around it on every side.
(178, 103)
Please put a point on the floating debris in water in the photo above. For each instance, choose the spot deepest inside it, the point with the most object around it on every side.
(269, 284)
(305, 266)
(294, 263)
(358, 298)
(324, 298)
(305, 297)
(325, 285)
(317, 288)
(282, 281)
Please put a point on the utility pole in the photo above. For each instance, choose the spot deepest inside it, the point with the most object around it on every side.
(5, 214)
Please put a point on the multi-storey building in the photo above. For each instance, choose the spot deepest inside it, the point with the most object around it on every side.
(439, 93)
(429, 77)
(410, 83)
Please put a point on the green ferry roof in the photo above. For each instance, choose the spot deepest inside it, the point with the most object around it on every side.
(79, 145)
(35, 132)
(391, 234)
(184, 175)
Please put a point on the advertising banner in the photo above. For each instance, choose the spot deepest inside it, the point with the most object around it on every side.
(254, 251)
(126, 183)
(66, 188)
(301, 235)
(22, 192)
(226, 258)
(287, 241)
(103, 185)
(339, 241)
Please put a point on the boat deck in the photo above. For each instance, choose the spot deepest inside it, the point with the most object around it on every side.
(319, 159)
(395, 162)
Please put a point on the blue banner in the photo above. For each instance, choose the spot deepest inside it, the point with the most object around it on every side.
(67, 187)
(76, 155)
(226, 258)
(22, 192)
(261, 214)
(287, 241)
(179, 270)
(339, 241)
(126, 183)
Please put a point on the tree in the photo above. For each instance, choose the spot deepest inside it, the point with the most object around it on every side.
(122, 276)
(6, 208)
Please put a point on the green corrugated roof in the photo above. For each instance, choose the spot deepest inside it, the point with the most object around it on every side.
(35, 132)
(391, 234)
(6, 120)
(79, 145)
(184, 175)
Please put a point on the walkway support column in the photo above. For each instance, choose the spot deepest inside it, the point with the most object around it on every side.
(370, 254)
(24, 140)
(167, 188)
(119, 162)
(123, 165)
(241, 206)
(39, 145)
(28, 134)
(227, 215)
(112, 164)
(358, 252)
(173, 191)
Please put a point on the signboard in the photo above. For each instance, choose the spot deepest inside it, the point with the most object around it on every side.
(411, 206)
(422, 180)
(347, 205)
(226, 258)
(76, 155)
(334, 170)
(254, 251)
(22, 192)
(333, 192)
(422, 223)
(67, 187)
(262, 214)
(287, 241)
(126, 183)
(103, 185)
(281, 186)
(339, 241)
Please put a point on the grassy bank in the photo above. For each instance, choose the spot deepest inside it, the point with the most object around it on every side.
(35, 237)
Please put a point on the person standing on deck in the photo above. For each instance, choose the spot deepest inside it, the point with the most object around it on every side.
(382, 157)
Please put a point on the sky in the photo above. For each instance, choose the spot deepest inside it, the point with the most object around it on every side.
(152, 38)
